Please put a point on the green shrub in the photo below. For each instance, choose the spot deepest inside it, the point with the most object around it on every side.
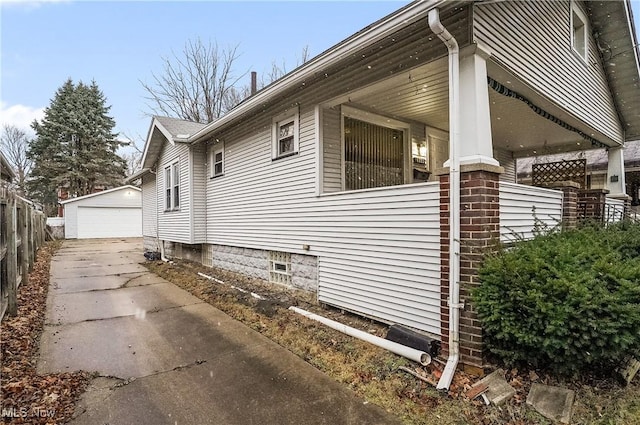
(568, 300)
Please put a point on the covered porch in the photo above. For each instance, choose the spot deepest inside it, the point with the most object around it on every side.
(500, 120)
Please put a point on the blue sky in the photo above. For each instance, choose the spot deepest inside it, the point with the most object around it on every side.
(120, 43)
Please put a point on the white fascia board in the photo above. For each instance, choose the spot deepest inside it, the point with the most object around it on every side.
(137, 175)
(104, 192)
(363, 38)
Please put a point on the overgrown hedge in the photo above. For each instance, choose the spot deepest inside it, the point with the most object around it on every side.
(568, 300)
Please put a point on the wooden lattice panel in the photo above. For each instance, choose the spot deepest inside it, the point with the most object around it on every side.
(547, 173)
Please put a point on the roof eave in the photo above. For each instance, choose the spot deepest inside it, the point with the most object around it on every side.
(376, 31)
(104, 192)
(137, 175)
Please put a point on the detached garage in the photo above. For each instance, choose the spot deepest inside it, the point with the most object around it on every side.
(114, 213)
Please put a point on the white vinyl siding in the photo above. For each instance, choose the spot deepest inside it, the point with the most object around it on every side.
(506, 160)
(332, 151)
(523, 208)
(149, 206)
(532, 40)
(198, 193)
(381, 257)
(384, 241)
(175, 225)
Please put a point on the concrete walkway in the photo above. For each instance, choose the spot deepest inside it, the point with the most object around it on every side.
(165, 357)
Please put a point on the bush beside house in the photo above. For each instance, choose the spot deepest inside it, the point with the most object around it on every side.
(567, 300)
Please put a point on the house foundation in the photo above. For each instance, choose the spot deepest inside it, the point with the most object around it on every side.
(297, 270)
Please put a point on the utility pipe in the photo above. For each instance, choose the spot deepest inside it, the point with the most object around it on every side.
(402, 350)
(454, 197)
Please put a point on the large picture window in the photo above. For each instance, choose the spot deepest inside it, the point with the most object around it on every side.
(374, 154)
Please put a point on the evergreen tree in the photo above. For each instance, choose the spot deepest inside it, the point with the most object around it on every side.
(75, 147)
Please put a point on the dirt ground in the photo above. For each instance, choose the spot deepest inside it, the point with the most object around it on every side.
(375, 374)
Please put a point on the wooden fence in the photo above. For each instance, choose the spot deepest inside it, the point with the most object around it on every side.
(22, 233)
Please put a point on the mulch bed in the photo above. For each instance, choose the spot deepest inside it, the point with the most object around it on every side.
(25, 396)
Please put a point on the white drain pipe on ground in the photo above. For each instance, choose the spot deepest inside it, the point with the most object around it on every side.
(454, 197)
(402, 350)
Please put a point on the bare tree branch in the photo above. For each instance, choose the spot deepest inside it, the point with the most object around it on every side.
(133, 157)
(14, 143)
(194, 85)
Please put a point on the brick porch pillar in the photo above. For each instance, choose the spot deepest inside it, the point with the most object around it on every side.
(569, 202)
(591, 203)
(479, 234)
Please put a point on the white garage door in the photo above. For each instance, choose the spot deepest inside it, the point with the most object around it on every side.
(109, 222)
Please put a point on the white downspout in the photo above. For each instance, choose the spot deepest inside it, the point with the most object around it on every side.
(162, 256)
(454, 197)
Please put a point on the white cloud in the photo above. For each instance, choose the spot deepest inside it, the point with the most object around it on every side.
(20, 116)
(30, 4)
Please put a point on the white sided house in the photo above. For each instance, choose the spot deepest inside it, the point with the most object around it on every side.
(381, 170)
(113, 213)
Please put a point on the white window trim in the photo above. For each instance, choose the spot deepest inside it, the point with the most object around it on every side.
(216, 149)
(168, 188)
(381, 120)
(287, 267)
(170, 184)
(292, 114)
(576, 11)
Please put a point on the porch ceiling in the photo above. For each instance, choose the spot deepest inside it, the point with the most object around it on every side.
(422, 95)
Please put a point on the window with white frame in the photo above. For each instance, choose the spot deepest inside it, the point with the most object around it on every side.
(217, 160)
(376, 150)
(285, 134)
(172, 186)
(579, 31)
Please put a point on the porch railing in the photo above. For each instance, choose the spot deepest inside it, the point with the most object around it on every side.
(524, 210)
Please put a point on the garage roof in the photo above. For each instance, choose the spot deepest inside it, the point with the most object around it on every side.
(104, 192)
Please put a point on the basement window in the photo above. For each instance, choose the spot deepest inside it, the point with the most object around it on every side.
(280, 267)
(579, 32)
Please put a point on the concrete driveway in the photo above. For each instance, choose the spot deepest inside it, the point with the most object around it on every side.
(165, 357)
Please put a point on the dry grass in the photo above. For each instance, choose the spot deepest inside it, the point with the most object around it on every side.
(372, 373)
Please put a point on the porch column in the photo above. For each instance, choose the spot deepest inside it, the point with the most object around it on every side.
(476, 145)
(569, 202)
(479, 232)
(615, 174)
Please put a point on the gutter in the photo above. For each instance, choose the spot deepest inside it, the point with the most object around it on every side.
(135, 176)
(377, 31)
(454, 197)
